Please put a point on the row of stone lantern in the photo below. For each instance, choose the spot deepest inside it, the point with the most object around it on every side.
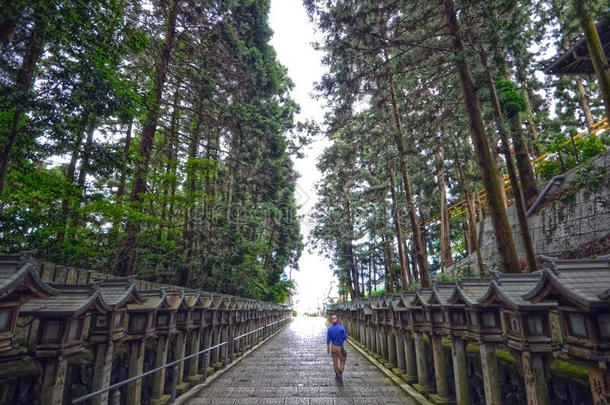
(562, 311)
(101, 317)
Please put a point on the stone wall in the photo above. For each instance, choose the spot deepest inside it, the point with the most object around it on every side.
(579, 217)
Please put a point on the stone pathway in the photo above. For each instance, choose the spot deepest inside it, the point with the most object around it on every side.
(293, 368)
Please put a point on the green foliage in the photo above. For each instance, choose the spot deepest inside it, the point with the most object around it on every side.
(511, 98)
(414, 286)
(590, 177)
(587, 147)
(219, 199)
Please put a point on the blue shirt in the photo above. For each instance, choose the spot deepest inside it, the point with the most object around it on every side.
(336, 335)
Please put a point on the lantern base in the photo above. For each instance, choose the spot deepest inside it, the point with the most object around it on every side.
(195, 379)
(162, 400)
(423, 389)
(438, 400)
(182, 388)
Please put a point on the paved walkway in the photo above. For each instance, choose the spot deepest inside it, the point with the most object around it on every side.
(293, 368)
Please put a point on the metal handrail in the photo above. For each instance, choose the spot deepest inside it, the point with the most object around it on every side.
(255, 330)
(171, 364)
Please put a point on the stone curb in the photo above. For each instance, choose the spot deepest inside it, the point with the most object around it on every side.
(195, 390)
(412, 392)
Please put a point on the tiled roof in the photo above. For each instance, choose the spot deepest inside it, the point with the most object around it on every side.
(422, 296)
(441, 292)
(510, 288)
(16, 271)
(175, 298)
(71, 300)
(154, 299)
(119, 292)
(584, 282)
(470, 291)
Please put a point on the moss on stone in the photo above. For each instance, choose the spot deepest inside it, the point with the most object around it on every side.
(504, 355)
(570, 371)
(20, 368)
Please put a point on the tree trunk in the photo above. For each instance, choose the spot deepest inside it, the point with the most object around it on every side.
(169, 187)
(526, 174)
(519, 202)
(84, 169)
(350, 249)
(189, 212)
(404, 270)
(86, 155)
(446, 258)
(584, 102)
(370, 268)
(389, 264)
(420, 248)
(596, 51)
(125, 260)
(504, 239)
(121, 188)
(23, 83)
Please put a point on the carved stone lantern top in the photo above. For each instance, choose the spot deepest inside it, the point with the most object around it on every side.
(469, 291)
(583, 283)
(509, 290)
(117, 293)
(18, 278)
(19, 281)
(155, 299)
(71, 301)
(579, 287)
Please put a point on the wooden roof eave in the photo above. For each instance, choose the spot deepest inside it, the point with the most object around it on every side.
(495, 293)
(95, 301)
(27, 275)
(550, 283)
(162, 304)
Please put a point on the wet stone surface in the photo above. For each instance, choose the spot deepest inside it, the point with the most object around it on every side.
(293, 368)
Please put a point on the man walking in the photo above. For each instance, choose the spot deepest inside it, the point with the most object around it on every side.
(335, 336)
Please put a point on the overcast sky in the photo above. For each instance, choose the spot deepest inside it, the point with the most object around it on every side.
(293, 34)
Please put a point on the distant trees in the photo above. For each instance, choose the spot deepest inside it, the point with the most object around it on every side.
(444, 94)
(151, 139)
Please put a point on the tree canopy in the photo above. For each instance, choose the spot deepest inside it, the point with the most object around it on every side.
(150, 139)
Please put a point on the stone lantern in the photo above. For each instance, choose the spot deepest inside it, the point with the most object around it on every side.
(390, 331)
(398, 312)
(241, 324)
(19, 282)
(188, 323)
(367, 314)
(106, 331)
(579, 288)
(408, 327)
(215, 331)
(141, 326)
(224, 310)
(60, 330)
(465, 297)
(166, 329)
(381, 347)
(421, 324)
(435, 309)
(205, 331)
(483, 323)
(526, 328)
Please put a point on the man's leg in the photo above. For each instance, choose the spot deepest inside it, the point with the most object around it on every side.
(342, 359)
(335, 355)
